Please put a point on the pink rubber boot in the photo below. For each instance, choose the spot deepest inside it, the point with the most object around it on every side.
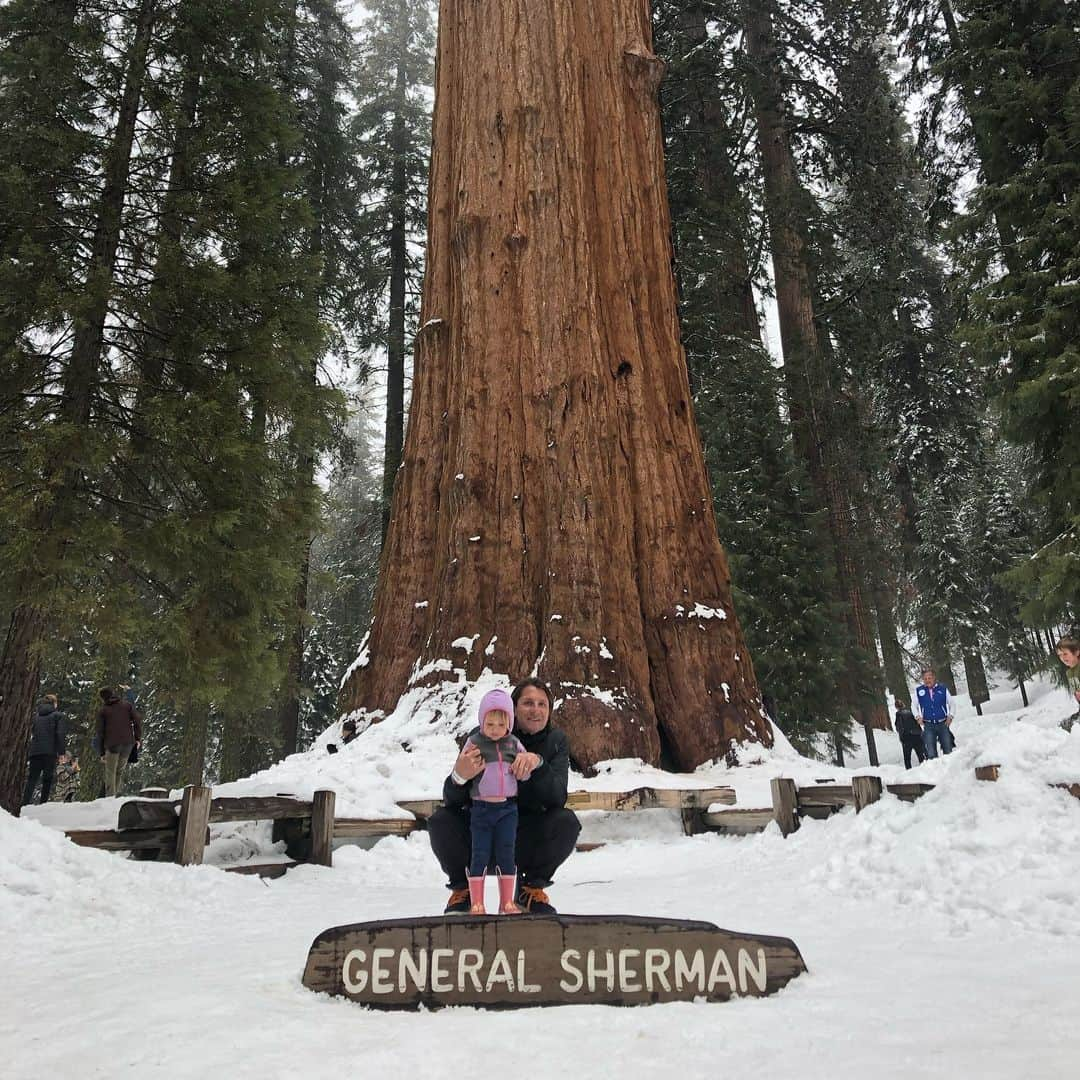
(507, 882)
(476, 895)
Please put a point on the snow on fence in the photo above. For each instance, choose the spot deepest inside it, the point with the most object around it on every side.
(178, 831)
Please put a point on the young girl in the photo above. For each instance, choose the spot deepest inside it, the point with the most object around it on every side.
(494, 814)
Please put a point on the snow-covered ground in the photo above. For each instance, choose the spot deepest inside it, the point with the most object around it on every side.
(942, 937)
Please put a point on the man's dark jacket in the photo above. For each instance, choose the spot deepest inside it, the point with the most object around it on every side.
(48, 738)
(906, 725)
(546, 787)
(118, 724)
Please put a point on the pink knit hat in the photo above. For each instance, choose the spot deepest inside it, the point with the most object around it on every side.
(497, 699)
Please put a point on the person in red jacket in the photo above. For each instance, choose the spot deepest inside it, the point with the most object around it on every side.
(119, 731)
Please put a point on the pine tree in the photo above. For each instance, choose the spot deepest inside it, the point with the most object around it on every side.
(394, 123)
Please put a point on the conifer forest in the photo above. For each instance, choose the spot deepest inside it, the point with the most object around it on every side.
(213, 226)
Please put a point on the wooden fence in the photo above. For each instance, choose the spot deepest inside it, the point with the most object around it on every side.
(178, 831)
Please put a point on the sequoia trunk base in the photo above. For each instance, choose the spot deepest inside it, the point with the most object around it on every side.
(552, 512)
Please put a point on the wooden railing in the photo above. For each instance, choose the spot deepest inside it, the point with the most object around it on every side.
(178, 831)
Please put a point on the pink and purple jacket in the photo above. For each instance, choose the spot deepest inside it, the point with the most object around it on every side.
(496, 782)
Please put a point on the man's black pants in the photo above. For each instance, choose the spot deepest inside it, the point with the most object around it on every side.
(912, 743)
(43, 767)
(544, 843)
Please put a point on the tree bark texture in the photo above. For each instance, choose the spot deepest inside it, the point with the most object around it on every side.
(18, 685)
(395, 338)
(813, 404)
(553, 499)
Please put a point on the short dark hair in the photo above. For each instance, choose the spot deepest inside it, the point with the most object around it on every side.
(521, 686)
(348, 725)
(106, 693)
(928, 671)
(52, 699)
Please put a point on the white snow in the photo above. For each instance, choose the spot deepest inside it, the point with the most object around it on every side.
(941, 937)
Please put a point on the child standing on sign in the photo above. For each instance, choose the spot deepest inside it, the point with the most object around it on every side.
(494, 815)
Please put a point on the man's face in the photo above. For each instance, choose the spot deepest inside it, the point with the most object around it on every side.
(531, 711)
(1069, 658)
(928, 678)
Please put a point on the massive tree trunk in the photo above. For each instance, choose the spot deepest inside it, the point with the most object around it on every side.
(813, 399)
(553, 507)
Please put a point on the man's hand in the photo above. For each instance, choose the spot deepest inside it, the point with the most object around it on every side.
(948, 721)
(470, 763)
(523, 765)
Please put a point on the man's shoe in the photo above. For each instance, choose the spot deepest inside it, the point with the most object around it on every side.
(534, 901)
(458, 904)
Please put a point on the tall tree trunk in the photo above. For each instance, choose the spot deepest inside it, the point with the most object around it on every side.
(552, 505)
(85, 359)
(896, 676)
(395, 338)
(812, 397)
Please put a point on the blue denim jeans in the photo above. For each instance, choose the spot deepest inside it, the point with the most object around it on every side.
(494, 835)
(935, 732)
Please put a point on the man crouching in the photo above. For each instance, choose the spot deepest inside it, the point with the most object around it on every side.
(547, 831)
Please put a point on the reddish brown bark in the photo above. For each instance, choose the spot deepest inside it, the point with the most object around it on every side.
(553, 497)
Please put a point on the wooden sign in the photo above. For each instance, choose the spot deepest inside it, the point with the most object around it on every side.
(517, 961)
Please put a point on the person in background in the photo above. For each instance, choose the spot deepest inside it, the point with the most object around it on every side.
(48, 741)
(119, 730)
(67, 779)
(1068, 651)
(911, 735)
(935, 714)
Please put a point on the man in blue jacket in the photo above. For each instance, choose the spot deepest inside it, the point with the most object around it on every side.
(935, 714)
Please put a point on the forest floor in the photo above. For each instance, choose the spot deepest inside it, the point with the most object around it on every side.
(942, 937)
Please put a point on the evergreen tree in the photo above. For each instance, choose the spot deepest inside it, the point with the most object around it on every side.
(394, 123)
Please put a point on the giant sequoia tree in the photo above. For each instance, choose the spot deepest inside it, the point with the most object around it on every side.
(552, 507)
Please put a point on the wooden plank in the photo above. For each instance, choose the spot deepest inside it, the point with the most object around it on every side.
(784, 802)
(113, 840)
(648, 798)
(191, 831)
(589, 846)
(322, 828)
(867, 791)
(828, 796)
(258, 808)
(351, 828)
(263, 870)
(987, 772)
(739, 822)
(422, 808)
(154, 793)
(1072, 789)
(532, 960)
(909, 792)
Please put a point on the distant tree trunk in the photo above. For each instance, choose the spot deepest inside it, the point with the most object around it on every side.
(395, 337)
(193, 745)
(896, 676)
(553, 507)
(812, 396)
(974, 670)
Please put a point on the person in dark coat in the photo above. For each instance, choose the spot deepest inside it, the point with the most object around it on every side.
(119, 731)
(48, 740)
(910, 731)
(547, 831)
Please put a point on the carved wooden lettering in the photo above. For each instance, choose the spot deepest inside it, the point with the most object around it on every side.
(513, 962)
